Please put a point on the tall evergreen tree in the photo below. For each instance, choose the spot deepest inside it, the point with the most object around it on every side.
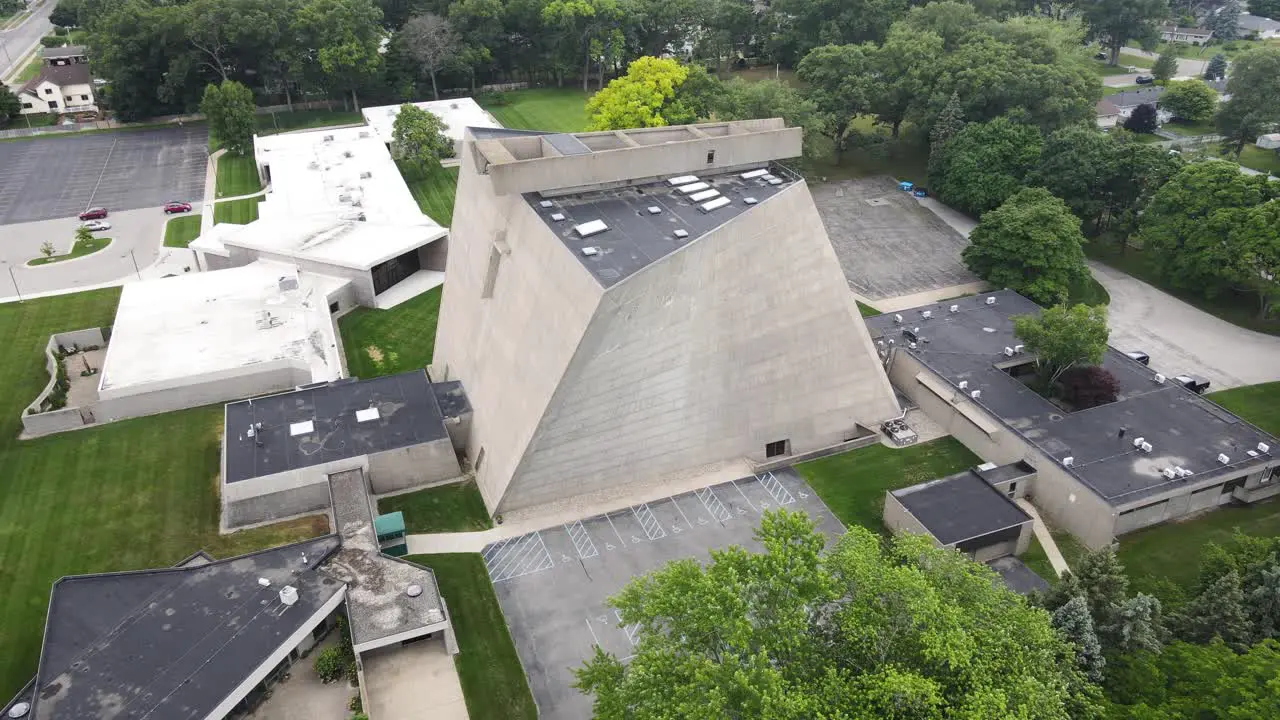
(1217, 67)
(1075, 624)
(1218, 611)
(1225, 22)
(949, 123)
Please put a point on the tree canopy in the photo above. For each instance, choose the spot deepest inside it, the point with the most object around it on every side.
(1116, 22)
(1166, 65)
(867, 630)
(985, 163)
(1061, 338)
(1254, 106)
(229, 108)
(1190, 100)
(10, 106)
(647, 96)
(418, 137)
(1144, 119)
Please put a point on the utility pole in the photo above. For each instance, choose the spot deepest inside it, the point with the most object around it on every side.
(135, 264)
(15, 282)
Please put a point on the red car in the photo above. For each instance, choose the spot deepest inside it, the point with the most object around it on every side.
(94, 214)
(176, 207)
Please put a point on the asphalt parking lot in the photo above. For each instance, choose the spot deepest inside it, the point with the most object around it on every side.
(58, 177)
(888, 245)
(552, 584)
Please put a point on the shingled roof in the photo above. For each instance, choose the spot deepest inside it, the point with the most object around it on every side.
(60, 75)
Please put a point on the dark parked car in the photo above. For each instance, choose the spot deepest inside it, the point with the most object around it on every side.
(1139, 356)
(1193, 383)
(1100, 56)
(1144, 79)
(176, 207)
(94, 214)
(920, 192)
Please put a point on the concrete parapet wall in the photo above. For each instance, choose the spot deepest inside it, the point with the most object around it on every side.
(67, 418)
(418, 465)
(232, 385)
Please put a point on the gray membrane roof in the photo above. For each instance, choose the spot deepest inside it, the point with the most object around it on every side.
(172, 643)
(960, 507)
(378, 605)
(408, 414)
(636, 238)
(1184, 429)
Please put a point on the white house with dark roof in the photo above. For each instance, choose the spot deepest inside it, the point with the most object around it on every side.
(1258, 26)
(64, 84)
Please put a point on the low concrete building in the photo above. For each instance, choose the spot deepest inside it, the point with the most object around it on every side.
(637, 305)
(1158, 453)
(457, 114)
(278, 451)
(963, 511)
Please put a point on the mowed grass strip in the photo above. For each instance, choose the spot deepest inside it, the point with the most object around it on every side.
(181, 230)
(448, 508)
(434, 191)
(237, 212)
(1259, 404)
(136, 494)
(552, 109)
(853, 484)
(78, 249)
(272, 123)
(385, 342)
(493, 681)
(237, 175)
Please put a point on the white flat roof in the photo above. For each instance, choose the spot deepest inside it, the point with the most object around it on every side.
(327, 239)
(341, 172)
(458, 115)
(178, 331)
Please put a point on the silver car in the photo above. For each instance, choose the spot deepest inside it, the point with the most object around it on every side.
(96, 225)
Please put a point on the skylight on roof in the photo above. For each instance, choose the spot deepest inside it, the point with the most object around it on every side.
(302, 428)
(754, 174)
(715, 204)
(682, 234)
(545, 204)
(704, 195)
(587, 229)
(693, 188)
(654, 210)
(683, 180)
(750, 201)
(367, 414)
(776, 181)
(557, 217)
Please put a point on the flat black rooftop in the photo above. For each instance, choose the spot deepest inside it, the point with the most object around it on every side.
(1184, 429)
(635, 237)
(407, 414)
(173, 643)
(960, 507)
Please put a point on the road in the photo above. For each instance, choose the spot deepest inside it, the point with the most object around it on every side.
(1187, 68)
(16, 43)
(1183, 339)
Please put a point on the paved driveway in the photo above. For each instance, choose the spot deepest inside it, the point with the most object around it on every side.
(139, 231)
(1181, 338)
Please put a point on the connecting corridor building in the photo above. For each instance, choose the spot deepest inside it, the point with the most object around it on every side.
(640, 305)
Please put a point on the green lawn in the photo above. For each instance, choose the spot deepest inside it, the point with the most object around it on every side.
(1259, 404)
(78, 249)
(1204, 52)
(272, 123)
(1236, 308)
(384, 342)
(1255, 158)
(1190, 129)
(555, 109)
(1137, 61)
(134, 494)
(867, 310)
(237, 212)
(237, 175)
(1088, 292)
(31, 70)
(1109, 90)
(181, 230)
(1035, 559)
(434, 191)
(492, 680)
(853, 484)
(448, 508)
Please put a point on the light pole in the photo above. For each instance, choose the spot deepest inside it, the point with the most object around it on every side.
(136, 271)
(15, 281)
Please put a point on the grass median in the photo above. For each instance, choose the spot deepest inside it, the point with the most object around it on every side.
(180, 231)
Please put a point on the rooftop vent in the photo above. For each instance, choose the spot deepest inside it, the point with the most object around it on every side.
(263, 582)
(1068, 461)
(1137, 442)
(754, 174)
(693, 188)
(1263, 447)
(682, 180)
(557, 217)
(750, 200)
(926, 314)
(975, 394)
(1159, 378)
(897, 318)
(288, 594)
(302, 428)
(1251, 453)
(1182, 472)
(545, 204)
(704, 195)
(366, 175)
(367, 414)
(590, 251)
(19, 709)
(768, 178)
(653, 209)
(954, 308)
(1146, 448)
(327, 138)
(289, 282)
(714, 204)
(453, 106)
(364, 134)
(587, 229)
(413, 590)
(1017, 348)
(911, 345)
(775, 181)
(991, 301)
(682, 234)
(1169, 473)
(964, 384)
(1224, 459)
(1008, 351)
(434, 615)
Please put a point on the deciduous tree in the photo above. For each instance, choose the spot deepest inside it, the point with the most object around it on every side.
(1032, 244)
(1061, 338)
(344, 37)
(1265, 8)
(588, 24)
(1190, 100)
(418, 138)
(1166, 64)
(838, 86)
(639, 98)
(742, 100)
(1086, 387)
(1143, 119)
(1254, 106)
(1113, 23)
(230, 110)
(10, 106)
(1196, 681)
(1255, 254)
(985, 163)
(432, 42)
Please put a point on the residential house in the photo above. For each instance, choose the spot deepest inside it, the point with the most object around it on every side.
(1191, 36)
(1125, 102)
(1107, 112)
(1254, 26)
(64, 84)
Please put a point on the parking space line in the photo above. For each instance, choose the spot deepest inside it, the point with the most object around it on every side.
(593, 632)
(744, 495)
(628, 630)
(686, 517)
(775, 488)
(102, 172)
(652, 528)
(530, 557)
(581, 540)
(712, 503)
(615, 530)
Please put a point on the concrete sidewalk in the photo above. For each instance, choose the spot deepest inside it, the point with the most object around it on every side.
(1046, 540)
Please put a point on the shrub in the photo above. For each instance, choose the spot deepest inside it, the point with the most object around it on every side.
(1086, 387)
(494, 97)
(50, 41)
(355, 705)
(330, 665)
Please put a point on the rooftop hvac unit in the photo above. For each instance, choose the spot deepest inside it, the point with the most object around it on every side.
(544, 204)
(1068, 461)
(714, 204)
(682, 180)
(590, 251)
(434, 615)
(1017, 348)
(682, 234)
(964, 384)
(587, 229)
(557, 217)
(263, 582)
(1182, 472)
(364, 134)
(366, 175)
(653, 209)
(1263, 447)
(1251, 453)
(954, 308)
(1146, 448)
(1159, 378)
(1224, 459)
(926, 314)
(880, 343)
(754, 174)
(775, 181)
(1169, 473)
(1008, 351)
(347, 154)
(1137, 442)
(975, 394)
(288, 594)
(750, 200)
(991, 301)
(911, 345)
(327, 138)
(897, 318)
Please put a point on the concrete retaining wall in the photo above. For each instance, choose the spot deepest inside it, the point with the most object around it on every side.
(67, 418)
(419, 465)
(258, 380)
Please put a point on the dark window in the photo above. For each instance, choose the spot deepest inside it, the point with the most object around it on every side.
(48, 91)
(1145, 507)
(53, 103)
(319, 631)
(333, 307)
(84, 97)
(395, 270)
(1231, 485)
(777, 447)
(1013, 489)
(711, 156)
(1271, 474)
(479, 459)
(27, 106)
